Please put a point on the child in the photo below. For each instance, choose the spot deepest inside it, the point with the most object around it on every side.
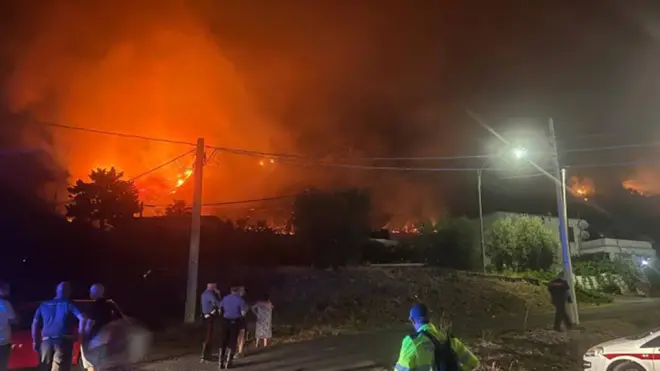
(263, 310)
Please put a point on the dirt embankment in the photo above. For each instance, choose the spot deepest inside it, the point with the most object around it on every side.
(370, 297)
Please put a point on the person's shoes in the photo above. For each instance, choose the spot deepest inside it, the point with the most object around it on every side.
(221, 359)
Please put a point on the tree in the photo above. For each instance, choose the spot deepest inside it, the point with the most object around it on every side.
(106, 199)
(178, 208)
(332, 225)
(450, 243)
(521, 243)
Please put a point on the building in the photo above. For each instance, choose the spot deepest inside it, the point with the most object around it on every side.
(641, 252)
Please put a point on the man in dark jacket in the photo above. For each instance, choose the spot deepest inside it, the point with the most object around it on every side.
(559, 294)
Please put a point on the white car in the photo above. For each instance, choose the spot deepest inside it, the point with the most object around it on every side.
(633, 353)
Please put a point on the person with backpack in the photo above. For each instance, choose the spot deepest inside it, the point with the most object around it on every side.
(431, 349)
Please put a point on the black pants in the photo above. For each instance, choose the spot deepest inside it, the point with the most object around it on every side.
(209, 334)
(56, 354)
(561, 315)
(5, 351)
(229, 335)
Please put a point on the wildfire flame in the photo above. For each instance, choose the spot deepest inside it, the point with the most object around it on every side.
(583, 187)
(181, 180)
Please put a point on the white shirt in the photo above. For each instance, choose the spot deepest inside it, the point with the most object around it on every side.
(7, 315)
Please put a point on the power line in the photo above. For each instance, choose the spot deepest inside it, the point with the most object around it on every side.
(293, 156)
(161, 165)
(275, 155)
(248, 201)
(389, 168)
(613, 164)
(112, 133)
(239, 151)
(211, 204)
(143, 174)
(613, 147)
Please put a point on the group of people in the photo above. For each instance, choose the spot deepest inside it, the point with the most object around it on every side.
(230, 313)
(54, 328)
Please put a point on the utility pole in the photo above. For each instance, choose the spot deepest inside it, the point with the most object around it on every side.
(563, 226)
(481, 221)
(576, 314)
(195, 232)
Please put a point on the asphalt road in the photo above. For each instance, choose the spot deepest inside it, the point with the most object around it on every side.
(376, 350)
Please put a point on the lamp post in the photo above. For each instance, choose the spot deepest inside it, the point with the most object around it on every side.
(481, 221)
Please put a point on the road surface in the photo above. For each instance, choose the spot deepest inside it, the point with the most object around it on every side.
(373, 350)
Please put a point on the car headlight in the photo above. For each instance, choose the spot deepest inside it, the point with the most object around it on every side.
(593, 352)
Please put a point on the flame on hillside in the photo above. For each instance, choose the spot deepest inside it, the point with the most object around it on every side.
(583, 187)
(639, 187)
(181, 180)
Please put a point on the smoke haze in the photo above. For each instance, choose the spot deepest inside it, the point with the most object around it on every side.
(298, 79)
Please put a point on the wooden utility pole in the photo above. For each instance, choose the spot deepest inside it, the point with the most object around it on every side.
(195, 232)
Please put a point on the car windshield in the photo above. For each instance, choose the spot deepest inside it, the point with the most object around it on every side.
(643, 335)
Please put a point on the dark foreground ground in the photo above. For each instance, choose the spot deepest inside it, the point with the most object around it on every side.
(377, 350)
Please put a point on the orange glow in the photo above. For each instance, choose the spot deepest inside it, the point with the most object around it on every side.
(643, 187)
(582, 187)
(175, 72)
(181, 180)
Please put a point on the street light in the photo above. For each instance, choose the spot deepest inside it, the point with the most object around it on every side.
(519, 153)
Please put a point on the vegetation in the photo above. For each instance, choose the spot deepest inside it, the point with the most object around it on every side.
(521, 243)
(106, 199)
(332, 225)
(178, 208)
(450, 243)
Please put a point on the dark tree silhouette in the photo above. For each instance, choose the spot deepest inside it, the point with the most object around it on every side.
(178, 208)
(106, 199)
(333, 225)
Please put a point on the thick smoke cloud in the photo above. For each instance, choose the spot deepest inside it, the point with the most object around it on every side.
(344, 81)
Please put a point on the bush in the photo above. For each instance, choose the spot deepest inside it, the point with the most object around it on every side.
(450, 243)
(584, 296)
(521, 243)
(602, 270)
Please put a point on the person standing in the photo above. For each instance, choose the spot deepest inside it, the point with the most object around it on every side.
(430, 348)
(559, 295)
(242, 331)
(263, 310)
(100, 313)
(210, 303)
(53, 330)
(7, 318)
(233, 309)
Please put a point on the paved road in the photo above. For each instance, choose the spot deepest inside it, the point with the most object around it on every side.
(373, 350)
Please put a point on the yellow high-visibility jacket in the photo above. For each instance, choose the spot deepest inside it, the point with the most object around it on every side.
(418, 352)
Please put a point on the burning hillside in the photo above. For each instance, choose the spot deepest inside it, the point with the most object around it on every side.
(582, 186)
(181, 70)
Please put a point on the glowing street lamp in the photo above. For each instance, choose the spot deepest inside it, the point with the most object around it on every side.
(519, 153)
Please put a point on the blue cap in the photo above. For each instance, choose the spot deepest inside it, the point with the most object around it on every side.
(419, 313)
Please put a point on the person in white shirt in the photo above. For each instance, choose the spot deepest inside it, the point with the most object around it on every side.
(7, 318)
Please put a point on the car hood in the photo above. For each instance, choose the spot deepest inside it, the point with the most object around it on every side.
(617, 344)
